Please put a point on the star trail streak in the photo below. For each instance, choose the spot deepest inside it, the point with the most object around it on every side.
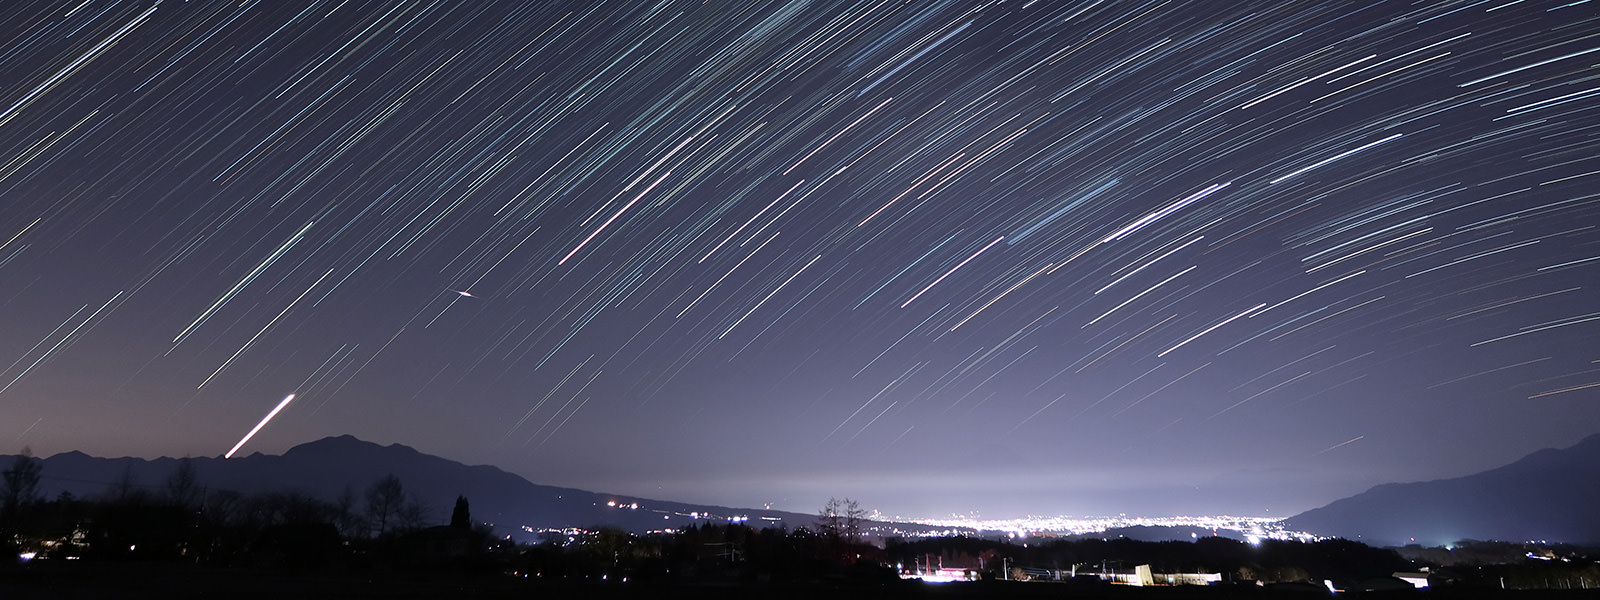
(736, 252)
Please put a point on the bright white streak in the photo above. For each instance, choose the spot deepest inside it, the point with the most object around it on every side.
(1304, 81)
(264, 329)
(1341, 444)
(1365, 250)
(1002, 295)
(1333, 158)
(1526, 67)
(249, 277)
(263, 423)
(84, 58)
(1152, 261)
(952, 270)
(841, 132)
(613, 218)
(1152, 217)
(769, 296)
(19, 233)
(1308, 292)
(725, 275)
(747, 223)
(1140, 295)
(58, 344)
(1210, 329)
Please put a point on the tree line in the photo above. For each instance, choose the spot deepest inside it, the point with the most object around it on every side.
(181, 520)
(381, 528)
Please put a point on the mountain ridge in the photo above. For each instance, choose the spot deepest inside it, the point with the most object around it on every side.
(331, 466)
(1547, 495)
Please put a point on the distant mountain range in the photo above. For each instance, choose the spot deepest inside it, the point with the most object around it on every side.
(326, 468)
(1551, 495)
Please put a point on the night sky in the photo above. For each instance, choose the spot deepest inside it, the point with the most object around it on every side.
(1060, 257)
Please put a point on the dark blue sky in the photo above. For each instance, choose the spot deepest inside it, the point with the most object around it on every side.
(1052, 257)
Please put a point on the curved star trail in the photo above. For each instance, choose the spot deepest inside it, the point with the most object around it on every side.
(1045, 256)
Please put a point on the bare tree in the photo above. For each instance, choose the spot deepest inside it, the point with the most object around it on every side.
(126, 489)
(385, 499)
(829, 519)
(853, 514)
(841, 519)
(19, 486)
(224, 507)
(411, 516)
(345, 517)
(183, 487)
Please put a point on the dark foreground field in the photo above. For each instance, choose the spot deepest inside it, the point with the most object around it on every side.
(165, 582)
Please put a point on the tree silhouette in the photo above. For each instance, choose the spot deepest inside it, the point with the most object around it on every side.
(126, 490)
(183, 488)
(839, 523)
(829, 519)
(853, 514)
(21, 482)
(411, 516)
(345, 517)
(18, 488)
(385, 500)
(460, 517)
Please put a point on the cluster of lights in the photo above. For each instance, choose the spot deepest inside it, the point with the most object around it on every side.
(1254, 529)
(692, 515)
(695, 515)
(567, 535)
(557, 530)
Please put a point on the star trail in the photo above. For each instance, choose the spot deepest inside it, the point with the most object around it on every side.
(1061, 257)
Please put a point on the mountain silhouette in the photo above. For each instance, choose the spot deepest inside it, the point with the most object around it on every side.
(329, 467)
(1550, 495)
